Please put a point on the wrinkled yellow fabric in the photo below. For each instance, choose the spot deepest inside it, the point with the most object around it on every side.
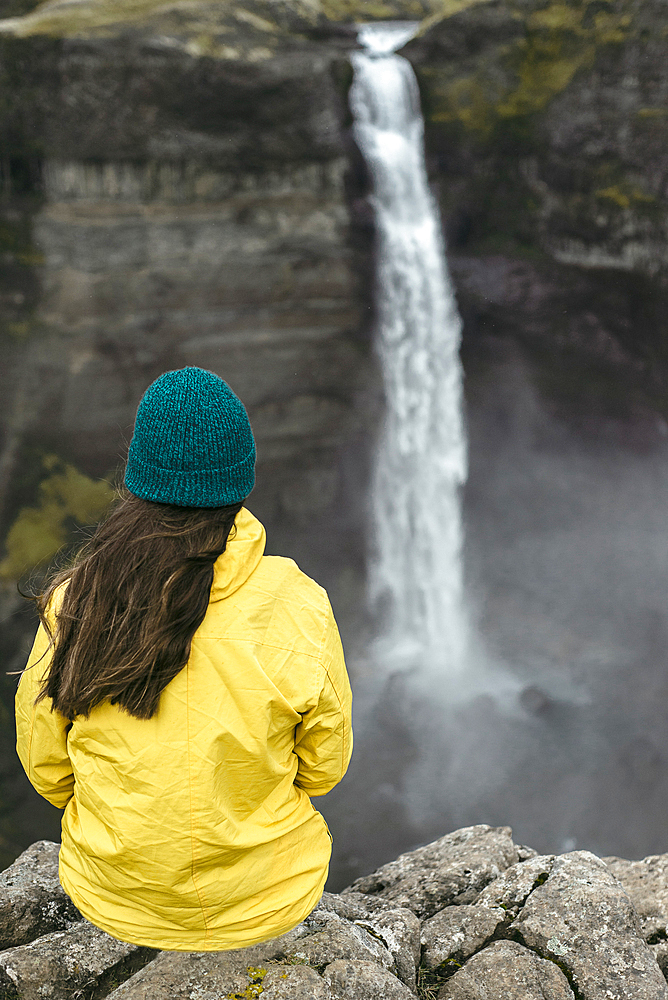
(194, 830)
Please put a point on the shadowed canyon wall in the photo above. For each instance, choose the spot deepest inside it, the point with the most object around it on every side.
(180, 187)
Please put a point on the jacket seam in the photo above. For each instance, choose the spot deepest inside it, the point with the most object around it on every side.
(325, 609)
(192, 811)
(31, 769)
(342, 725)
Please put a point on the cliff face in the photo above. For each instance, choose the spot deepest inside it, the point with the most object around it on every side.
(180, 187)
(179, 207)
(174, 187)
(547, 132)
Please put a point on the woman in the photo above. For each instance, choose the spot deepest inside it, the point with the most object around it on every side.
(185, 696)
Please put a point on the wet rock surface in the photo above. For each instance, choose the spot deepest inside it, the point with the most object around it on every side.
(539, 928)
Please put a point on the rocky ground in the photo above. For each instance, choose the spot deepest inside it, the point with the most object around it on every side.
(472, 916)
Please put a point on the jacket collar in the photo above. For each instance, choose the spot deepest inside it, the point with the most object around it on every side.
(245, 548)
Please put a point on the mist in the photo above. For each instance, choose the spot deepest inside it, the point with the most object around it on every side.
(558, 725)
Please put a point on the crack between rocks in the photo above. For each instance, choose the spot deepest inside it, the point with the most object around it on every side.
(518, 937)
(370, 930)
(503, 932)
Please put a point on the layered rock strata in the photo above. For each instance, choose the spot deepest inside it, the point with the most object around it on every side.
(472, 916)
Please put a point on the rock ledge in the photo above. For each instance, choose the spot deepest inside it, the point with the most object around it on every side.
(472, 916)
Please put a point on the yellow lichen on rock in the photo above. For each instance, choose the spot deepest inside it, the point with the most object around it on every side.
(65, 496)
(255, 986)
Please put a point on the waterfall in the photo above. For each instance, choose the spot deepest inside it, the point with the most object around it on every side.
(415, 572)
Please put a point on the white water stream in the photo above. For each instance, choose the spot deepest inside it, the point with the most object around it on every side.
(416, 566)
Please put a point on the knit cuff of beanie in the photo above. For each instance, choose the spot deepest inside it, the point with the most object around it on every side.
(191, 487)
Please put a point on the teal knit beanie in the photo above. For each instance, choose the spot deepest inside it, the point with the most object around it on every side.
(193, 444)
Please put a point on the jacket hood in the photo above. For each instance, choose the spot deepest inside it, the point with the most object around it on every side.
(245, 548)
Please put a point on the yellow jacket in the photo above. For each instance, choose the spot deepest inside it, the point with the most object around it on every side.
(194, 830)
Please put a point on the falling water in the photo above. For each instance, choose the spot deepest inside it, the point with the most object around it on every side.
(416, 566)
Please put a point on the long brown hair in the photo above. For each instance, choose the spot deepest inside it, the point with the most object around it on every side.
(134, 597)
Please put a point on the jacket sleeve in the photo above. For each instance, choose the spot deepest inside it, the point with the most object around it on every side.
(324, 741)
(41, 734)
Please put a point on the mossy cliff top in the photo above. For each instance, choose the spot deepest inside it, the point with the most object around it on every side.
(503, 60)
(214, 27)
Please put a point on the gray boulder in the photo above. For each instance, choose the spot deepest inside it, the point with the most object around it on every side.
(354, 905)
(507, 971)
(329, 937)
(32, 901)
(646, 883)
(297, 982)
(453, 934)
(397, 927)
(498, 923)
(399, 930)
(178, 975)
(512, 888)
(582, 919)
(350, 980)
(82, 961)
(318, 941)
(454, 869)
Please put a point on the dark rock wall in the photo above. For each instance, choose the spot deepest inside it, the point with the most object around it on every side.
(164, 208)
(547, 134)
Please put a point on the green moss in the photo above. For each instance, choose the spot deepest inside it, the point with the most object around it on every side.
(624, 195)
(16, 245)
(72, 20)
(444, 10)
(368, 10)
(65, 496)
(652, 112)
(558, 40)
(88, 16)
